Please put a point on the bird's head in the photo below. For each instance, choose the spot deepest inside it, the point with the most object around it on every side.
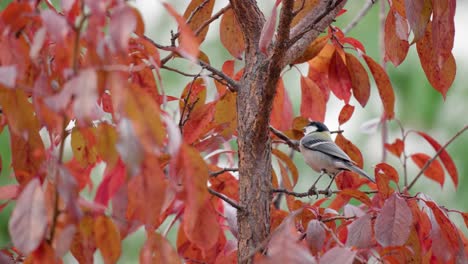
(315, 126)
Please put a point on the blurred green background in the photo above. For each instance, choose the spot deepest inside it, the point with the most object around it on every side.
(418, 106)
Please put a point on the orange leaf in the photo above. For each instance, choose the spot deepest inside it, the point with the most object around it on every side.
(439, 70)
(291, 166)
(313, 101)
(356, 194)
(231, 35)
(107, 239)
(418, 13)
(396, 148)
(147, 188)
(226, 115)
(393, 224)
(188, 41)
(199, 17)
(345, 114)
(396, 38)
(106, 137)
(319, 68)
(282, 112)
(83, 244)
(198, 209)
(434, 171)
(158, 250)
(305, 8)
(339, 78)
(83, 143)
(199, 123)
(313, 49)
(384, 86)
(193, 96)
(383, 183)
(359, 79)
(353, 152)
(28, 222)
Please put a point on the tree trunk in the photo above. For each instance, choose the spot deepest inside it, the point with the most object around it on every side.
(254, 103)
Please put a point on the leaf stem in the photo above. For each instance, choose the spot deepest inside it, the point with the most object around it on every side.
(429, 162)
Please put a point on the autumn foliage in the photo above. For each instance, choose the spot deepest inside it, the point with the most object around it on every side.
(85, 71)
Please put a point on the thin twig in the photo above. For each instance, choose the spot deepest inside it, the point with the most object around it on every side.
(226, 199)
(292, 143)
(216, 173)
(311, 192)
(359, 16)
(429, 162)
(232, 85)
(213, 18)
(179, 72)
(340, 217)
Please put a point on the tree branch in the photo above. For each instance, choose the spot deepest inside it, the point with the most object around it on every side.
(294, 144)
(310, 27)
(250, 19)
(359, 16)
(216, 173)
(429, 162)
(232, 85)
(226, 199)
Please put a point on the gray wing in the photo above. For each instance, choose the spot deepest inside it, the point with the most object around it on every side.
(325, 146)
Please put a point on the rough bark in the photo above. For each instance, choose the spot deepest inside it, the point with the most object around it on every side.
(254, 103)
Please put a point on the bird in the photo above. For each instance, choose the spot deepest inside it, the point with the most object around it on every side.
(323, 155)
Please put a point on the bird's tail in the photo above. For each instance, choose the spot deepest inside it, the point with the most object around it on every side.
(359, 171)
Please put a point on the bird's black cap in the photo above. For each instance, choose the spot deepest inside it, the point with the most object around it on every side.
(319, 125)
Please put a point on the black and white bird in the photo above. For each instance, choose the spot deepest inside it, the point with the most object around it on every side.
(323, 155)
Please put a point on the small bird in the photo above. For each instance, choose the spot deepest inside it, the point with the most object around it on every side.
(323, 155)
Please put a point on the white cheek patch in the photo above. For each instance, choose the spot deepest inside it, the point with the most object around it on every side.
(310, 129)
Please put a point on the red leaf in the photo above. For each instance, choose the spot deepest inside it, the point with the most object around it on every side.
(444, 157)
(418, 13)
(122, 23)
(315, 235)
(356, 194)
(360, 232)
(282, 112)
(393, 224)
(359, 79)
(383, 184)
(434, 171)
(440, 70)
(396, 38)
(446, 230)
(28, 222)
(284, 246)
(198, 209)
(114, 178)
(56, 25)
(313, 101)
(107, 238)
(231, 35)
(396, 148)
(338, 255)
(319, 68)
(384, 86)
(339, 78)
(388, 170)
(149, 187)
(345, 114)
(355, 43)
(268, 30)
(443, 27)
(188, 41)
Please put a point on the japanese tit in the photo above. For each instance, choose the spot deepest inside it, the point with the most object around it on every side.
(323, 155)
